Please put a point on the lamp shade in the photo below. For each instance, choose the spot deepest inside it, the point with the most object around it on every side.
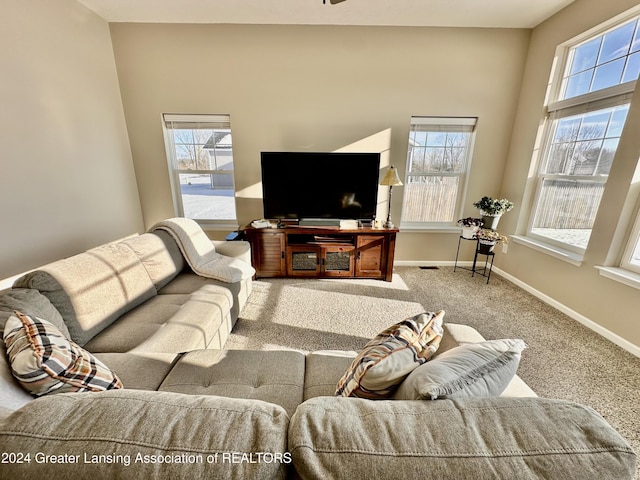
(391, 178)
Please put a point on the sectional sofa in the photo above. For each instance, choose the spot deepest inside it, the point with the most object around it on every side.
(191, 409)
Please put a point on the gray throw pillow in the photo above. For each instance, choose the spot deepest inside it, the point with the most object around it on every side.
(472, 370)
(30, 302)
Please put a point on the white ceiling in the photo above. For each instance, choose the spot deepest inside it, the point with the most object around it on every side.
(444, 13)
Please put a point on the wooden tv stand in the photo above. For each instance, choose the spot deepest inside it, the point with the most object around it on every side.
(322, 252)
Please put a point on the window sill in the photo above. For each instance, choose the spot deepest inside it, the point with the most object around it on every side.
(565, 255)
(621, 275)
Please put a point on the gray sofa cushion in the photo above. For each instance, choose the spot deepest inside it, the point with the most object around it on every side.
(92, 289)
(187, 282)
(523, 438)
(159, 254)
(323, 370)
(271, 376)
(132, 425)
(12, 395)
(170, 324)
(30, 302)
(139, 371)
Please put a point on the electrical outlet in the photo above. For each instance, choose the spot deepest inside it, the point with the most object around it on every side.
(505, 247)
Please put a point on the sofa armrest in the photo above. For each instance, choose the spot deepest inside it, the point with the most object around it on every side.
(237, 249)
(448, 439)
(136, 434)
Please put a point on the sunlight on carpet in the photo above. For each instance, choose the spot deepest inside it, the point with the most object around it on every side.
(396, 283)
(320, 314)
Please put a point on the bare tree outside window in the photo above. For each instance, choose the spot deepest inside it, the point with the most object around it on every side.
(578, 163)
(189, 149)
(586, 119)
(437, 165)
(200, 153)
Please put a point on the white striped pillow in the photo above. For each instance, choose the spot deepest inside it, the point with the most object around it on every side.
(392, 355)
(45, 361)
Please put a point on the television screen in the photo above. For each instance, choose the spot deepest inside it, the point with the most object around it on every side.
(308, 185)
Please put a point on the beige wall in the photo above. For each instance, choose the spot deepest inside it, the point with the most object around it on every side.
(318, 88)
(67, 178)
(609, 304)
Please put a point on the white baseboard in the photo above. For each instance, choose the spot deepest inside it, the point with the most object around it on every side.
(590, 324)
(417, 263)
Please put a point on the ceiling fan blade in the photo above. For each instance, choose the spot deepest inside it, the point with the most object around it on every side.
(333, 2)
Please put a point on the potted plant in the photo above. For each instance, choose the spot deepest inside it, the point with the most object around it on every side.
(492, 209)
(488, 239)
(470, 226)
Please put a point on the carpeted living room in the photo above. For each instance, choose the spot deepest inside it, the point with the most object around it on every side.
(332, 155)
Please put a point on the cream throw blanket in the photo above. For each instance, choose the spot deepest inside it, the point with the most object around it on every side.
(200, 253)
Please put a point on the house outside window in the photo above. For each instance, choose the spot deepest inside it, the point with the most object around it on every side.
(200, 160)
(591, 96)
(438, 162)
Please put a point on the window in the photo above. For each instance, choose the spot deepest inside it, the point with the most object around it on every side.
(583, 129)
(631, 257)
(605, 61)
(579, 156)
(438, 161)
(200, 157)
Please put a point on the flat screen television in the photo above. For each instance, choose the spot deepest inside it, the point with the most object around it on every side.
(310, 185)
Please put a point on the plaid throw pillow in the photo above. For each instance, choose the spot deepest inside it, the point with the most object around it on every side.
(45, 361)
(392, 355)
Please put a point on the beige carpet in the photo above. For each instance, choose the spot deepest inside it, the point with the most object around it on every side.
(563, 360)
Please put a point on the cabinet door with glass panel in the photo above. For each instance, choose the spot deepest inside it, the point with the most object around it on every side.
(316, 260)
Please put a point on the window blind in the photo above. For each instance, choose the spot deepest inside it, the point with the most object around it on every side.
(443, 124)
(191, 122)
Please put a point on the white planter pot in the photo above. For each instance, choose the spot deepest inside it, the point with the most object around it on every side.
(468, 232)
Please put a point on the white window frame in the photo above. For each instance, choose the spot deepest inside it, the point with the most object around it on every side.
(441, 124)
(632, 242)
(557, 109)
(221, 121)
